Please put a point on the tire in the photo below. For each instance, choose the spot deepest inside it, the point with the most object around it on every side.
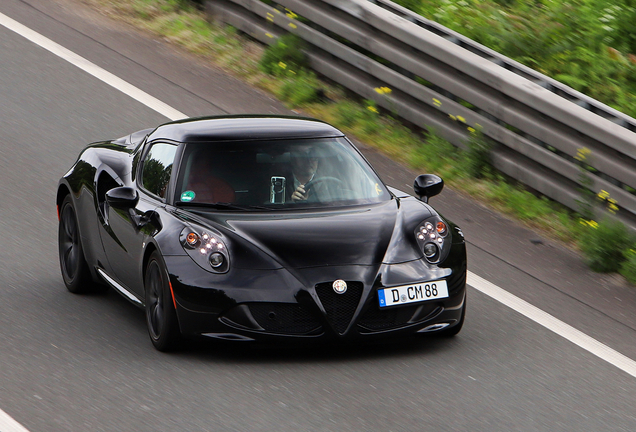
(75, 271)
(161, 316)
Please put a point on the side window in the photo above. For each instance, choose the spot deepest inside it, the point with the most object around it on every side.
(157, 168)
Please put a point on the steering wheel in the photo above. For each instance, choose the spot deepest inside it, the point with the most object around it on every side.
(333, 180)
(326, 180)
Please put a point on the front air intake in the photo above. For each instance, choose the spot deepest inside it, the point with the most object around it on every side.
(339, 307)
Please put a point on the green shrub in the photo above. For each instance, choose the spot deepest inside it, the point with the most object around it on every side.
(603, 244)
(284, 55)
(477, 155)
(348, 113)
(299, 89)
(628, 268)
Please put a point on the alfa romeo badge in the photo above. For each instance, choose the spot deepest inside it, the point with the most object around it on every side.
(340, 286)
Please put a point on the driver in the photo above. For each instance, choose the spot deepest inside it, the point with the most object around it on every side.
(304, 163)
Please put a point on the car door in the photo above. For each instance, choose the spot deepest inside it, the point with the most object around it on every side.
(127, 231)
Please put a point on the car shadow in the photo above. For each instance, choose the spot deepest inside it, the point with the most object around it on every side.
(250, 352)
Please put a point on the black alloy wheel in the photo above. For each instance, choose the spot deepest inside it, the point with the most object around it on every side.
(161, 316)
(75, 271)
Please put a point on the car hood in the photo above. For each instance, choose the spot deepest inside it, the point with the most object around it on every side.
(365, 235)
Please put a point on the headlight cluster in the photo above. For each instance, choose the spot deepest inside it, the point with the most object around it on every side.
(206, 249)
(434, 239)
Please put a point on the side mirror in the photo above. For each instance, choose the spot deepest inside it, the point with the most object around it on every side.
(122, 198)
(427, 185)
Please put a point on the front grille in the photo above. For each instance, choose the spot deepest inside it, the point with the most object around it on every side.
(340, 307)
(286, 318)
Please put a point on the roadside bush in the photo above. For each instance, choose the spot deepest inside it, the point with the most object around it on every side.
(628, 268)
(603, 244)
(287, 51)
(477, 155)
(299, 89)
(348, 113)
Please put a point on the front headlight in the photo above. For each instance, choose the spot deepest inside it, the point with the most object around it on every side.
(433, 237)
(206, 249)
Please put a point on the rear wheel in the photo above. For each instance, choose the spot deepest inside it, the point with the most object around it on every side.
(75, 271)
(161, 316)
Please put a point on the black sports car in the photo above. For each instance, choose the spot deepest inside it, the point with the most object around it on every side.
(258, 228)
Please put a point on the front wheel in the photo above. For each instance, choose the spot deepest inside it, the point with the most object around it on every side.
(161, 316)
(75, 271)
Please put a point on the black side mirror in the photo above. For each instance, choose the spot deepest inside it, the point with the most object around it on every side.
(428, 185)
(122, 198)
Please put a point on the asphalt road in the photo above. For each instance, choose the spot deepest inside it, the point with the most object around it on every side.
(77, 363)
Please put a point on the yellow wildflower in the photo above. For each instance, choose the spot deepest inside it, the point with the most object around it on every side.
(603, 195)
(291, 14)
(589, 223)
(582, 154)
(372, 109)
(282, 65)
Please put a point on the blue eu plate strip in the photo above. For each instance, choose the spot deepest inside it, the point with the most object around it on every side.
(381, 296)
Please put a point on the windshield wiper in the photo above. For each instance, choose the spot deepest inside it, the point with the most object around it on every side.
(220, 206)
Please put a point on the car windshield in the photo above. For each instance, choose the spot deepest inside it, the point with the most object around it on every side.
(276, 175)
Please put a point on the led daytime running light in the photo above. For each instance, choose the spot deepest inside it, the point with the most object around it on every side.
(432, 236)
(207, 249)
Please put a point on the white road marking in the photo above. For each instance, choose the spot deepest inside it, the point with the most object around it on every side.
(7, 424)
(575, 336)
(92, 69)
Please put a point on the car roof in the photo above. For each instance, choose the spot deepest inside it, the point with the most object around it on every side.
(242, 128)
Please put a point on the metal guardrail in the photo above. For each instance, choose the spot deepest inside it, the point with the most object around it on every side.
(442, 80)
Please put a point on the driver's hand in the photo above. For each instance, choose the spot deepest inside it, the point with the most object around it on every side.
(299, 194)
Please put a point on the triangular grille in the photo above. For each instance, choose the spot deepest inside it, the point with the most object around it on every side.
(340, 307)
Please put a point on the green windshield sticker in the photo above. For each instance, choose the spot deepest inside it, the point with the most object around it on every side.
(187, 196)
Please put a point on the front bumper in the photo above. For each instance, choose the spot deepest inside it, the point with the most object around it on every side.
(275, 305)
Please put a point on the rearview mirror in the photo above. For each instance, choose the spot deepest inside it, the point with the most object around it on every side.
(428, 185)
(123, 198)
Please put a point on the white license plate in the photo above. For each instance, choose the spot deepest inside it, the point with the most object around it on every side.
(413, 293)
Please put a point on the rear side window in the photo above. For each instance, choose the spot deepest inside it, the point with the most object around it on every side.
(157, 168)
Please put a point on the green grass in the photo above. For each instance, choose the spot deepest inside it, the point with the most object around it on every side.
(589, 45)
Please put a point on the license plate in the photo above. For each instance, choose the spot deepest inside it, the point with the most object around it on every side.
(413, 293)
